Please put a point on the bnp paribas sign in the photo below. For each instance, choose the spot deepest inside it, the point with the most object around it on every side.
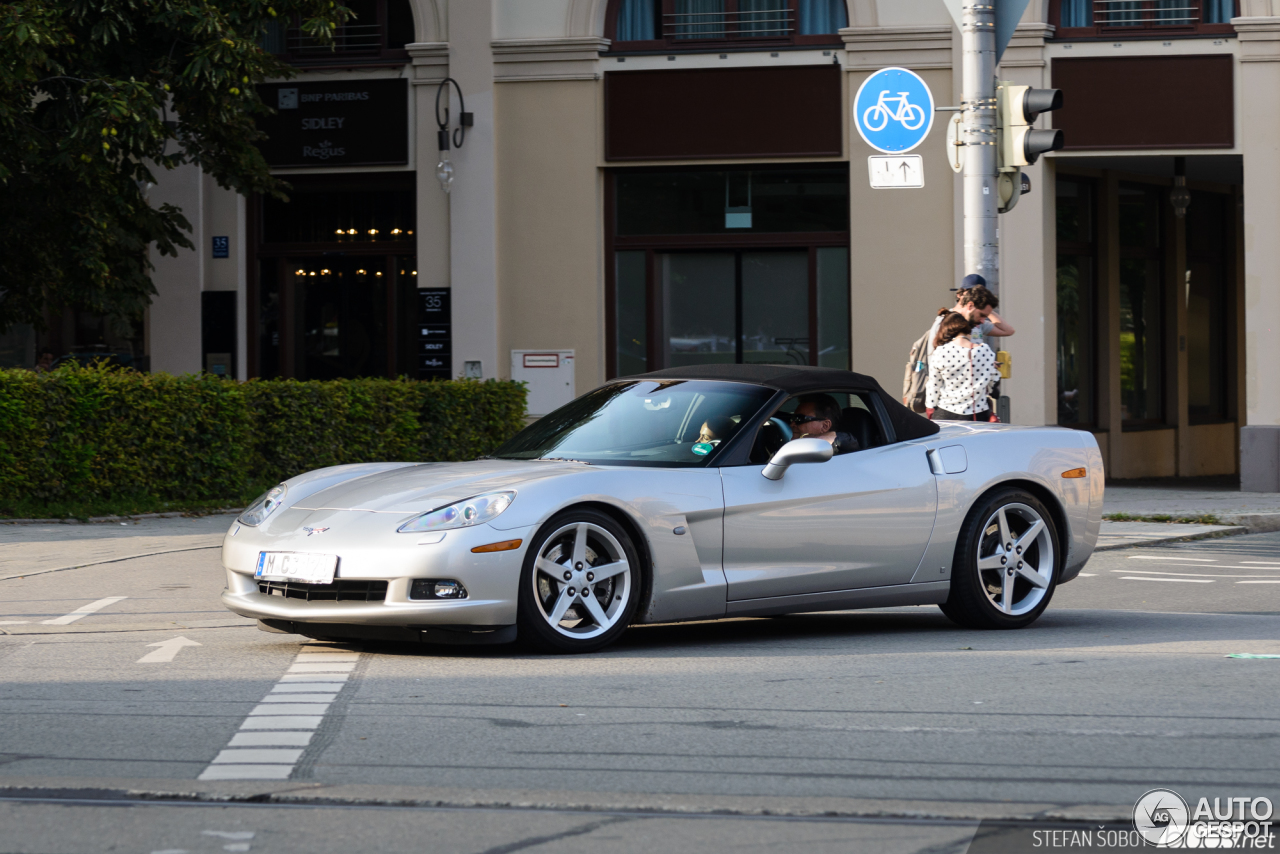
(339, 123)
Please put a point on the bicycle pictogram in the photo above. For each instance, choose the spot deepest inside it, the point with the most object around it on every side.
(877, 116)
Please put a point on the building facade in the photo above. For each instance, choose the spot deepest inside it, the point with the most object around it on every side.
(651, 183)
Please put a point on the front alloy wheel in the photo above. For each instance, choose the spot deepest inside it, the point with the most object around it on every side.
(579, 584)
(1005, 566)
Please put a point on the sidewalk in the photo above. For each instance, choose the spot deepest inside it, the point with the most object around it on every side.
(1235, 512)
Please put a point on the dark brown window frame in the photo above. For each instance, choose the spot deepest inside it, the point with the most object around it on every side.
(671, 44)
(1087, 249)
(1145, 31)
(656, 243)
(350, 57)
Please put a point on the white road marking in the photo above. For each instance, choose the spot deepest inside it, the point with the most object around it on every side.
(270, 739)
(1194, 574)
(265, 748)
(14, 622)
(1162, 557)
(1087, 574)
(321, 668)
(82, 612)
(1261, 581)
(302, 688)
(258, 756)
(167, 650)
(1261, 562)
(283, 722)
(299, 698)
(1182, 580)
(312, 677)
(289, 709)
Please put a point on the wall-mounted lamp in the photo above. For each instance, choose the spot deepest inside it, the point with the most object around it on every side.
(1180, 196)
(444, 169)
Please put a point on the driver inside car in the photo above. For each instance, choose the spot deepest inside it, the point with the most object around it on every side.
(816, 417)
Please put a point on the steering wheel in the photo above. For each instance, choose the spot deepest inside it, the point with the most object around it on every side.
(774, 433)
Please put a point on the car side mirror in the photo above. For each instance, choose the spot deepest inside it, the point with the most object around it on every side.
(797, 451)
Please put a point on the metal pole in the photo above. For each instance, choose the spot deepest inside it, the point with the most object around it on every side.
(981, 194)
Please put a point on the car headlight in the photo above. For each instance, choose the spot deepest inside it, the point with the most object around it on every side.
(464, 514)
(263, 506)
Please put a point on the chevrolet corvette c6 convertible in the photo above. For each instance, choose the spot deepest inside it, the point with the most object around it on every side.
(682, 494)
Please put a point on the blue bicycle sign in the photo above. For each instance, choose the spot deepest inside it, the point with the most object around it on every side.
(893, 110)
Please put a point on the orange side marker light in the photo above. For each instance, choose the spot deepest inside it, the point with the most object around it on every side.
(1080, 472)
(504, 546)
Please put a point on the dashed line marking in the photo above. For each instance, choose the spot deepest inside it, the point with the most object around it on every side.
(83, 611)
(1162, 557)
(1176, 580)
(1260, 581)
(277, 732)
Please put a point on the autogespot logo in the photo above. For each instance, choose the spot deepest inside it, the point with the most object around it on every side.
(1164, 820)
(1161, 817)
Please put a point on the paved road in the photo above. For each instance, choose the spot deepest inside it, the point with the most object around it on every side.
(680, 736)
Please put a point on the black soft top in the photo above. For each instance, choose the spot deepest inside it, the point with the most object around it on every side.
(800, 379)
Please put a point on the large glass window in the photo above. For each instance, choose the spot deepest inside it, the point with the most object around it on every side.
(1076, 284)
(1100, 18)
(648, 24)
(729, 266)
(1206, 294)
(1141, 307)
(732, 201)
(378, 31)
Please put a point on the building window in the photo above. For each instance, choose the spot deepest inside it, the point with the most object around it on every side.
(693, 24)
(729, 266)
(335, 295)
(1141, 308)
(378, 33)
(1129, 18)
(1077, 290)
(1207, 293)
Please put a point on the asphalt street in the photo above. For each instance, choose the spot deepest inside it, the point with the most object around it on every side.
(140, 716)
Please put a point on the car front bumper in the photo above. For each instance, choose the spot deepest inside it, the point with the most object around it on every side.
(366, 552)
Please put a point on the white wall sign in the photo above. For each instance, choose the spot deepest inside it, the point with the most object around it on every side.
(549, 374)
(896, 171)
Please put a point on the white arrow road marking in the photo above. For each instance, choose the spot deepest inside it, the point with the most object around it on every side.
(81, 613)
(167, 651)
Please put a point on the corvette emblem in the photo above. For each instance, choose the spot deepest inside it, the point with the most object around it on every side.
(311, 531)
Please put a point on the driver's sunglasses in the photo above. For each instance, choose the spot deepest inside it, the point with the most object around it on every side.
(804, 419)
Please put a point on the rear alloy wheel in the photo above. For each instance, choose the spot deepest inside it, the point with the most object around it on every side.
(579, 585)
(1006, 563)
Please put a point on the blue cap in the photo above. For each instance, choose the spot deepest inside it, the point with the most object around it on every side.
(972, 281)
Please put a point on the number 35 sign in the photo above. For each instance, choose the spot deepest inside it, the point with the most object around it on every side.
(893, 110)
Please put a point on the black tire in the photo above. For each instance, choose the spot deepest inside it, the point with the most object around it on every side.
(606, 544)
(980, 598)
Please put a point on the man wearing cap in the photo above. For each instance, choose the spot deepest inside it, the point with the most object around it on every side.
(977, 305)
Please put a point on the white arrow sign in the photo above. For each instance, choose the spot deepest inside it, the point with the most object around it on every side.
(167, 651)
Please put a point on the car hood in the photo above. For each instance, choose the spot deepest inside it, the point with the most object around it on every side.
(419, 488)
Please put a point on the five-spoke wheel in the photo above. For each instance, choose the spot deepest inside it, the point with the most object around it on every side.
(1005, 565)
(579, 586)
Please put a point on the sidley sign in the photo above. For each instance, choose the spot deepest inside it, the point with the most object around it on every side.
(346, 123)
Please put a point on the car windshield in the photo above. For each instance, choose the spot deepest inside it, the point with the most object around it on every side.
(672, 423)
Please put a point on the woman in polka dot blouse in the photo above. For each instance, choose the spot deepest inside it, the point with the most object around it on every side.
(961, 374)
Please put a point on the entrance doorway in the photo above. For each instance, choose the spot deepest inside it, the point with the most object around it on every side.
(335, 295)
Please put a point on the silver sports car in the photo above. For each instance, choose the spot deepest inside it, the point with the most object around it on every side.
(683, 494)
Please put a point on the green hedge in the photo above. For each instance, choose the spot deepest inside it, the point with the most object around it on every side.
(89, 436)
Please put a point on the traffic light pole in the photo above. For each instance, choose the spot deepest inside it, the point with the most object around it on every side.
(981, 193)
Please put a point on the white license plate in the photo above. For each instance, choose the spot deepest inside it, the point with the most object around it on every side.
(302, 567)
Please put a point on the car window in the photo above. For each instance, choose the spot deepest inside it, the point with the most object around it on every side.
(674, 423)
(858, 419)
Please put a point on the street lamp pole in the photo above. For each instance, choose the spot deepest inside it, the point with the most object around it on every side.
(981, 194)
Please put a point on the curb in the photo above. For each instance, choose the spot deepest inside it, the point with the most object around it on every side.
(220, 511)
(1211, 535)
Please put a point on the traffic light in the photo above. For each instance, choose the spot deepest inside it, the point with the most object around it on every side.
(1018, 106)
